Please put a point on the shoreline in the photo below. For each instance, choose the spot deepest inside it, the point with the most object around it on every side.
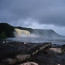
(55, 53)
(20, 51)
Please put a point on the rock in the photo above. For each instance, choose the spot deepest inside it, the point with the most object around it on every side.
(29, 63)
(21, 58)
(57, 50)
(9, 61)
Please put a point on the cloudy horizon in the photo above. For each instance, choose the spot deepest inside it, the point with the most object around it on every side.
(37, 14)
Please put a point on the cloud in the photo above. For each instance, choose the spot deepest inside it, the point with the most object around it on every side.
(35, 25)
(44, 11)
(48, 14)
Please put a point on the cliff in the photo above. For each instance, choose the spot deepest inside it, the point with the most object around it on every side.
(21, 33)
(6, 30)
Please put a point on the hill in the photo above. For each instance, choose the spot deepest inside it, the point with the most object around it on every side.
(24, 28)
(41, 32)
(7, 30)
(46, 33)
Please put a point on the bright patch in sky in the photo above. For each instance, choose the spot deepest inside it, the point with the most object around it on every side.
(30, 23)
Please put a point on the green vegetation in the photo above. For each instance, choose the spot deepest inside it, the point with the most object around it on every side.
(3, 35)
(24, 28)
(6, 30)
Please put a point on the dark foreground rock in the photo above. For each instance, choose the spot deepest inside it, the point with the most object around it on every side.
(50, 58)
(16, 52)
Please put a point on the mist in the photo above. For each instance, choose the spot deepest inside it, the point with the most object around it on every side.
(38, 36)
(24, 33)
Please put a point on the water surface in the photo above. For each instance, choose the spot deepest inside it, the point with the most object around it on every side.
(59, 41)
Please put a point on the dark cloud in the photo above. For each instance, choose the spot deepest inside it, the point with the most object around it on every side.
(43, 11)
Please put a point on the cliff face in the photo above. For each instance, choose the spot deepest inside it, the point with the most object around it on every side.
(37, 33)
(7, 30)
(21, 33)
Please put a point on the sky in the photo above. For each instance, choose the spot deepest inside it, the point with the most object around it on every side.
(37, 14)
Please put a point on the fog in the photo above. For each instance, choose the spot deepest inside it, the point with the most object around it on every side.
(38, 36)
(24, 33)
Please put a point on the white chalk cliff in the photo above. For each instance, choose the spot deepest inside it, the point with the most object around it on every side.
(21, 33)
(36, 33)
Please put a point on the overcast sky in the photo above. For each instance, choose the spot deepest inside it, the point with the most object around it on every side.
(40, 14)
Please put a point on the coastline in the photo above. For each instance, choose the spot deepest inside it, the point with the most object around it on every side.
(50, 56)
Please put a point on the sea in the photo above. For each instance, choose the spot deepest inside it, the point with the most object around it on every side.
(57, 40)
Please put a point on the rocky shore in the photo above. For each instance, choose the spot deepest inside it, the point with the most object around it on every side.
(15, 53)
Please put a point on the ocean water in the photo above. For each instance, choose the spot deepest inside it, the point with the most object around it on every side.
(59, 41)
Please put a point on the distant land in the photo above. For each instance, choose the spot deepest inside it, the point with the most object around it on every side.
(7, 30)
